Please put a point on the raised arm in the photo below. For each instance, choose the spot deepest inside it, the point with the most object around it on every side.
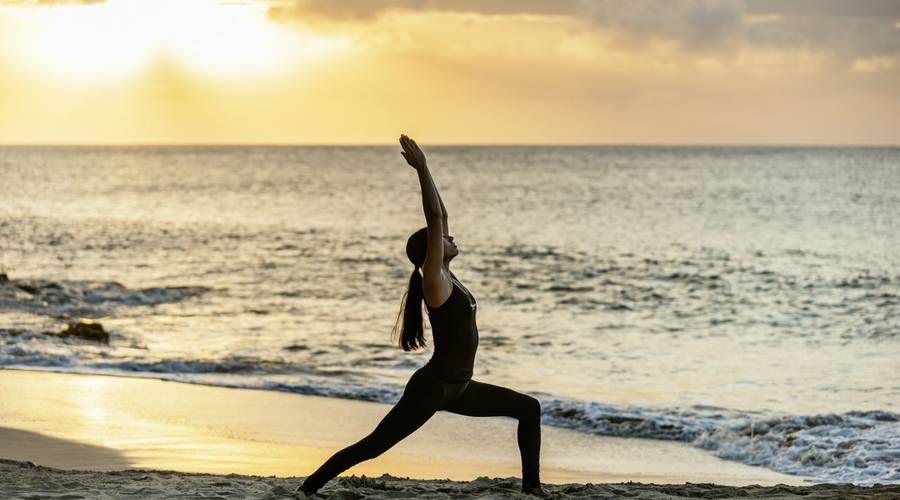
(436, 284)
(443, 210)
(445, 228)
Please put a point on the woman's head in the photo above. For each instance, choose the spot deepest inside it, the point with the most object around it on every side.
(417, 245)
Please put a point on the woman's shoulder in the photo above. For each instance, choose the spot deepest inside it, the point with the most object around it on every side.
(449, 297)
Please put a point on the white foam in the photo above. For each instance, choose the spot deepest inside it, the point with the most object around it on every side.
(84, 298)
(856, 447)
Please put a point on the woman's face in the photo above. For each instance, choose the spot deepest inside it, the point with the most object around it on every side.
(450, 248)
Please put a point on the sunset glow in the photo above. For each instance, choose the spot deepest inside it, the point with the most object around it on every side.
(311, 71)
(119, 38)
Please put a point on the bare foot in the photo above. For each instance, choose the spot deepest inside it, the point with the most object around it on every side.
(307, 493)
(535, 490)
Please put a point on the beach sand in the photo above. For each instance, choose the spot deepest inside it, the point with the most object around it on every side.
(24, 480)
(91, 424)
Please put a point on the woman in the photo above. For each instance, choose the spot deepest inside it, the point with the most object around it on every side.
(445, 382)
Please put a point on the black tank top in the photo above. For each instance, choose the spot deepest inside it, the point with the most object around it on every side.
(455, 336)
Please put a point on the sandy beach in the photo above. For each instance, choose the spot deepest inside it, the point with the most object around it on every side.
(105, 436)
(25, 480)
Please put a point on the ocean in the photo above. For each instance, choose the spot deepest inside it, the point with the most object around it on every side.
(745, 300)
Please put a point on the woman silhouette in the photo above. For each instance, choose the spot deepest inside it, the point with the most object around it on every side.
(445, 382)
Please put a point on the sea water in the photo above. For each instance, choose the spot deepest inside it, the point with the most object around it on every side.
(745, 300)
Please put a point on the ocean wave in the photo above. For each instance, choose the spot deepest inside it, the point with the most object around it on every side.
(321, 384)
(90, 299)
(232, 365)
(52, 353)
(861, 447)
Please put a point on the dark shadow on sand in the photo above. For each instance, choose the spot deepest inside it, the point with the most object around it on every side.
(51, 451)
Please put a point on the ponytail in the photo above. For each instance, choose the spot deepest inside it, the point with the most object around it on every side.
(412, 330)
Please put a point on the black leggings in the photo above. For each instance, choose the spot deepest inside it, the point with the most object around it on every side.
(423, 396)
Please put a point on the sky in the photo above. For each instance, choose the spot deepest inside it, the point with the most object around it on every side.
(450, 71)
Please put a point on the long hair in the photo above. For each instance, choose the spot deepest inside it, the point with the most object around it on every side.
(412, 328)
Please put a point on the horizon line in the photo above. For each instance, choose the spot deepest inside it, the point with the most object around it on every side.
(452, 144)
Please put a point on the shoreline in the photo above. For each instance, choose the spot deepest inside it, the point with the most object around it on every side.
(156, 424)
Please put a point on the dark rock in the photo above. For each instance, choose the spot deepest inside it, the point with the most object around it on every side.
(87, 330)
(4, 278)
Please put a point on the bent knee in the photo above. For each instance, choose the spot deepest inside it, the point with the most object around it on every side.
(531, 407)
(535, 405)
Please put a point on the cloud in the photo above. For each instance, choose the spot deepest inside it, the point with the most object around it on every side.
(826, 8)
(851, 37)
(700, 14)
(851, 29)
(361, 10)
(873, 64)
(693, 23)
(341, 9)
(844, 28)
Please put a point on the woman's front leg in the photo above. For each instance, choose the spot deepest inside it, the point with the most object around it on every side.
(488, 400)
(410, 413)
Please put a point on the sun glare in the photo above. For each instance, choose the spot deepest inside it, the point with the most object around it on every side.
(116, 38)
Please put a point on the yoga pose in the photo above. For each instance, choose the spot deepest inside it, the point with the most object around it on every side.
(445, 382)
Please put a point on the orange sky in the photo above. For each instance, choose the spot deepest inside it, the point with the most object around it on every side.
(450, 71)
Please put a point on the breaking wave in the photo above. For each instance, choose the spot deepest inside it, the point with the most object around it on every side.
(90, 299)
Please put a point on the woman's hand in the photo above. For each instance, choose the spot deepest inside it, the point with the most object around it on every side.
(413, 154)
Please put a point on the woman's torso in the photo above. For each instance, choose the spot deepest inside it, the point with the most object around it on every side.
(455, 335)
